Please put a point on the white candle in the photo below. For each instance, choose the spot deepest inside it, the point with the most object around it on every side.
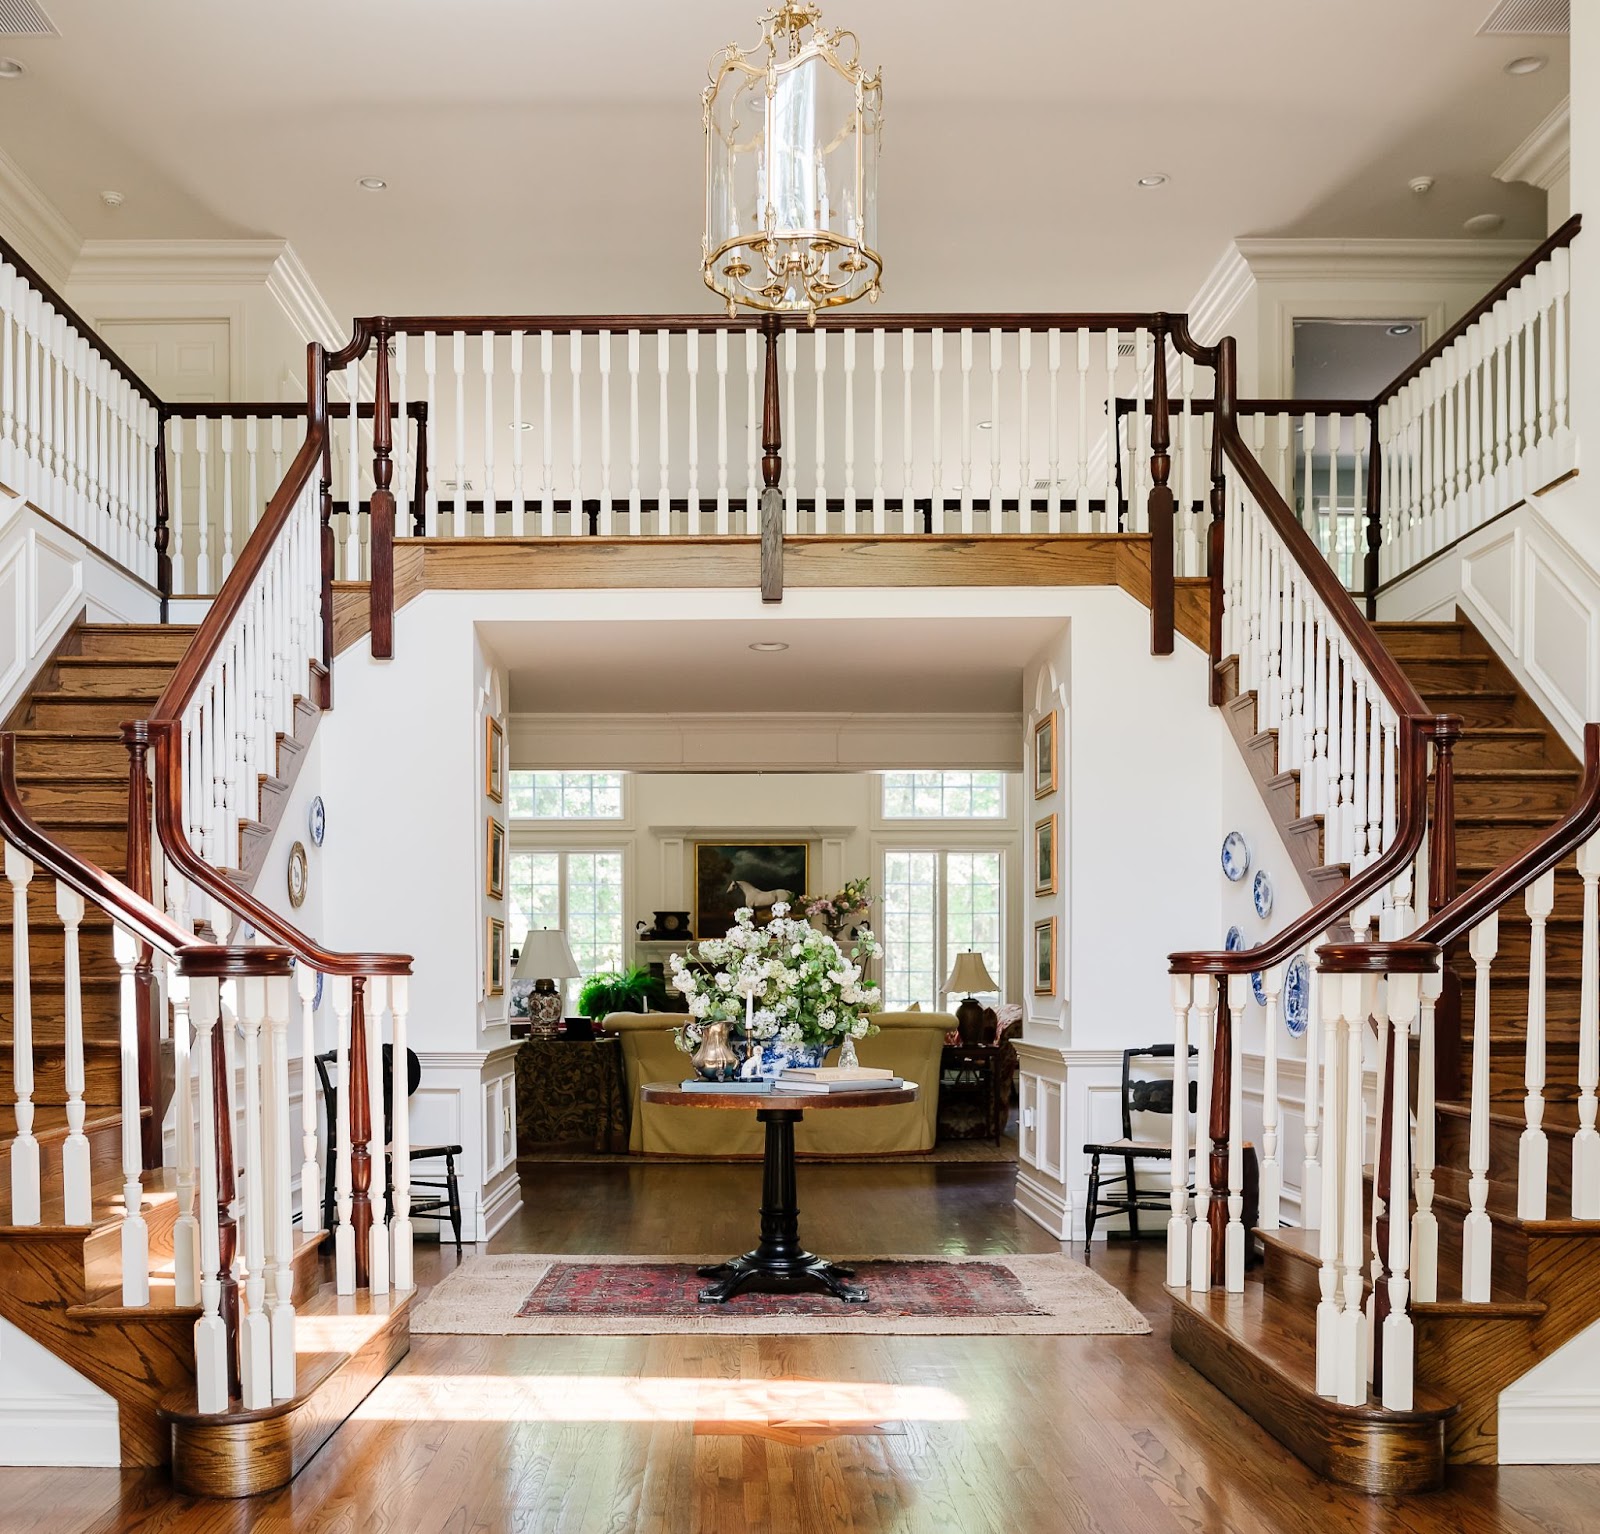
(749, 1013)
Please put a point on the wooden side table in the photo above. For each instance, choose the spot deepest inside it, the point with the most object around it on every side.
(778, 1261)
(572, 1092)
(975, 1090)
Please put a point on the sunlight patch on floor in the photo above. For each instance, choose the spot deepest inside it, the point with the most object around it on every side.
(607, 1398)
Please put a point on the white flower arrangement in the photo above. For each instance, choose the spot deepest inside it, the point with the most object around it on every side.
(785, 982)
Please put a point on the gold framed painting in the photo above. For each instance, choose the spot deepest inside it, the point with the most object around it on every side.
(1044, 957)
(495, 861)
(1044, 856)
(494, 756)
(495, 957)
(1044, 756)
(728, 875)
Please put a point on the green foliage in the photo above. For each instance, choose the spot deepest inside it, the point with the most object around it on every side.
(633, 989)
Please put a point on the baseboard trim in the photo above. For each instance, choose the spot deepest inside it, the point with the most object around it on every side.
(1552, 1428)
(1045, 1206)
(36, 1430)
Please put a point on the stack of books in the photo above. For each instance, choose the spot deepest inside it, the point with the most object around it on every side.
(833, 1078)
(700, 1084)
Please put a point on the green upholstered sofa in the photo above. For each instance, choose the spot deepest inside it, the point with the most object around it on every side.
(908, 1043)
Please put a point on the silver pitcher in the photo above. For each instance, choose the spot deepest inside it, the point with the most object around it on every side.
(715, 1059)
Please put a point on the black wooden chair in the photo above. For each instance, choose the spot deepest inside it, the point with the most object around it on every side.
(435, 1197)
(1120, 1193)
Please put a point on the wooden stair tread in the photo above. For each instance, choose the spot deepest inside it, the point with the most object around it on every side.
(108, 1310)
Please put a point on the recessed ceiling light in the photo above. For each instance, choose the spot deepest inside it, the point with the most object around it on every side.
(768, 646)
(1484, 223)
(372, 184)
(1158, 179)
(12, 69)
(1401, 330)
(1528, 64)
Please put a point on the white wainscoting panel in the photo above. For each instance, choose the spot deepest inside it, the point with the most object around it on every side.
(49, 1413)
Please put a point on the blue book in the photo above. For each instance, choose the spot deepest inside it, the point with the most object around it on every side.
(699, 1084)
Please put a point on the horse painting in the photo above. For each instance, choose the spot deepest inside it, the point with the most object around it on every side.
(760, 875)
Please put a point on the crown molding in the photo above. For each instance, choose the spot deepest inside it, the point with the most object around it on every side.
(299, 297)
(1368, 260)
(36, 226)
(1222, 295)
(1545, 156)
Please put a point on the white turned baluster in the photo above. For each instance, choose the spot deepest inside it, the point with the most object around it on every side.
(607, 521)
(995, 523)
(1205, 995)
(1053, 494)
(400, 1139)
(210, 1336)
(519, 425)
(354, 564)
(460, 517)
(753, 362)
(850, 431)
(255, 1338)
(1424, 1222)
(663, 436)
(377, 999)
(1081, 522)
(577, 521)
(722, 434)
(225, 438)
(1271, 1194)
(135, 1235)
(78, 1207)
(1024, 434)
(1398, 1340)
(1331, 1229)
(936, 358)
(1139, 435)
(819, 502)
(1351, 1380)
(1233, 1241)
(966, 433)
(1525, 305)
(175, 547)
(1109, 516)
(880, 518)
(490, 525)
(344, 1237)
(1533, 1153)
(202, 452)
(1179, 1234)
(1561, 426)
(404, 479)
(692, 343)
(185, 1228)
(430, 373)
(1477, 1233)
(1311, 1104)
(8, 364)
(1586, 1141)
(310, 1169)
(24, 1147)
(281, 1214)
(908, 483)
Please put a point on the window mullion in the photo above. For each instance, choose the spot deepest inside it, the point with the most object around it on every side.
(941, 967)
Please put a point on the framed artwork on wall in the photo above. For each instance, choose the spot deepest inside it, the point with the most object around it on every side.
(495, 956)
(1044, 856)
(1044, 957)
(495, 861)
(1044, 756)
(494, 752)
(728, 875)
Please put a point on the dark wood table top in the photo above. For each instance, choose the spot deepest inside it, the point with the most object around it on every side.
(671, 1095)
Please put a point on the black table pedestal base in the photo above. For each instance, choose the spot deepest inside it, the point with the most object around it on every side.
(778, 1262)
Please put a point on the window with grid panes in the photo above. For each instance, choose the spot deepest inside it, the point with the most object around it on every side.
(943, 795)
(566, 795)
(938, 902)
(579, 891)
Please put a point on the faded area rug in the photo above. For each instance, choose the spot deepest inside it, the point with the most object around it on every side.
(526, 1295)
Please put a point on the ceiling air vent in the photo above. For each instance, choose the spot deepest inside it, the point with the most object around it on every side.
(1528, 18)
(22, 18)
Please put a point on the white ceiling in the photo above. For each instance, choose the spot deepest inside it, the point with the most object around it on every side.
(860, 665)
(547, 156)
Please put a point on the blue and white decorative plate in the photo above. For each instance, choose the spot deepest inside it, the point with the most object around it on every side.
(1297, 996)
(1234, 941)
(317, 818)
(1235, 857)
(1261, 893)
(1259, 986)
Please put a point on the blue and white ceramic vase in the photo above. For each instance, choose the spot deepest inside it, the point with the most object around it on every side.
(777, 1057)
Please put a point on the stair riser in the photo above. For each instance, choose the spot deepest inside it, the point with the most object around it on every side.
(1453, 1147)
(1430, 674)
(1495, 843)
(1480, 711)
(88, 751)
(101, 1004)
(102, 1082)
(69, 796)
(1563, 947)
(1510, 796)
(108, 848)
(118, 642)
(1508, 1262)
(1408, 643)
(1484, 751)
(47, 952)
(87, 714)
(102, 678)
(1568, 892)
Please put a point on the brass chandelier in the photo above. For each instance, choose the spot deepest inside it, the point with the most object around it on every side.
(792, 135)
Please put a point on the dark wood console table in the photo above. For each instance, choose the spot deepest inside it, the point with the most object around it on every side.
(572, 1093)
(778, 1261)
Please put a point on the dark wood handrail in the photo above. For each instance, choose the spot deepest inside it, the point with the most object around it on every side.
(8, 254)
(1420, 952)
(593, 324)
(215, 410)
(1563, 236)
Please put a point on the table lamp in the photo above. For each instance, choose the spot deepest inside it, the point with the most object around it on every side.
(544, 959)
(970, 974)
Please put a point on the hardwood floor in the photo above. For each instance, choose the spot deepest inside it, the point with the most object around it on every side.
(1025, 1435)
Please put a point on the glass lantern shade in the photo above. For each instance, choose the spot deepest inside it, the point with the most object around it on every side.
(792, 171)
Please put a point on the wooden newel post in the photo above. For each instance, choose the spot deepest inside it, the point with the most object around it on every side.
(1374, 517)
(1442, 876)
(1221, 1097)
(163, 532)
(360, 1130)
(771, 470)
(382, 507)
(1222, 424)
(1162, 513)
(136, 737)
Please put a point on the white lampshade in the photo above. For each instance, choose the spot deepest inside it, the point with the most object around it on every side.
(968, 977)
(545, 956)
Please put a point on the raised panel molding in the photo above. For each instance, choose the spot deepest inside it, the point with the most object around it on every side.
(1489, 579)
(1560, 636)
